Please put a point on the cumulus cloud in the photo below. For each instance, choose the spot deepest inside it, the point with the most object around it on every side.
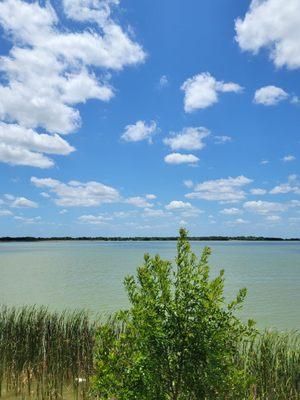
(89, 10)
(163, 82)
(273, 218)
(74, 193)
(264, 162)
(178, 205)
(94, 219)
(274, 25)
(289, 158)
(5, 213)
(26, 220)
(264, 207)
(154, 213)
(231, 211)
(49, 70)
(178, 158)
(138, 202)
(188, 183)
(202, 91)
(292, 186)
(24, 146)
(19, 202)
(150, 196)
(224, 190)
(270, 95)
(258, 191)
(222, 139)
(188, 139)
(139, 131)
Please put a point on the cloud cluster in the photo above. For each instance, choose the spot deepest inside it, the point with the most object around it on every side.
(74, 193)
(224, 190)
(288, 158)
(139, 131)
(270, 95)
(178, 205)
(178, 158)
(188, 139)
(202, 91)
(292, 186)
(18, 202)
(274, 25)
(264, 207)
(49, 70)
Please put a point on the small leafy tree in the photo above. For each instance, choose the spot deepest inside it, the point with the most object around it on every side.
(178, 341)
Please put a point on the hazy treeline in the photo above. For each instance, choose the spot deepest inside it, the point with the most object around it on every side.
(144, 238)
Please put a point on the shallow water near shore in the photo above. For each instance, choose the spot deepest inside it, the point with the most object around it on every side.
(90, 275)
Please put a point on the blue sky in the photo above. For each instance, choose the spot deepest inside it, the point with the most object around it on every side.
(138, 117)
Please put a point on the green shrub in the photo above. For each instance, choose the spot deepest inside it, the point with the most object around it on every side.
(179, 340)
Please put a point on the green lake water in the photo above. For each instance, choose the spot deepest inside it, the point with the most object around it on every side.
(90, 275)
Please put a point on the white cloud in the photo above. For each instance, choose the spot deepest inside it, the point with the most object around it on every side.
(26, 220)
(240, 221)
(49, 70)
(153, 213)
(150, 196)
(93, 219)
(231, 211)
(139, 131)
(270, 95)
(19, 202)
(264, 162)
(178, 158)
(178, 204)
(258, 191)
(5, 213)
(273, 218)
(74, 193)
(24, 146)
(188, 183)
(292, 186)
(202, 91)
(275, 25)
(225, 190)
(237, 221)
(222, 139)
(138, 202)
(89, 10)
(188, 139)
(163, 82)
(289, 158)
(19, 156)
(264, 207)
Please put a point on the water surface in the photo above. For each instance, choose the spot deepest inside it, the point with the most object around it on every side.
(90, 275)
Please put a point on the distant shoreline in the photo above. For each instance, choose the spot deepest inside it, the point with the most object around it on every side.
(148, 239)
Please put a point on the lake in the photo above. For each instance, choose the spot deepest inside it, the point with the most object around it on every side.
(88, 274)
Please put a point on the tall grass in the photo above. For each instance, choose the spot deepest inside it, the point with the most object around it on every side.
(272, 364)
(43, 353)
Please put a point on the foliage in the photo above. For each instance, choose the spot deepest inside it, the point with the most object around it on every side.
(179, 340)
(42, 353)
(272, 361)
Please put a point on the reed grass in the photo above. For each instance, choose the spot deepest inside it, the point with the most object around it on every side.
(42, 353)
(48, 355)
(272, 364)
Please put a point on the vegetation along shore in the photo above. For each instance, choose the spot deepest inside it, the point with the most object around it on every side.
(145, 238)
(178, 340)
